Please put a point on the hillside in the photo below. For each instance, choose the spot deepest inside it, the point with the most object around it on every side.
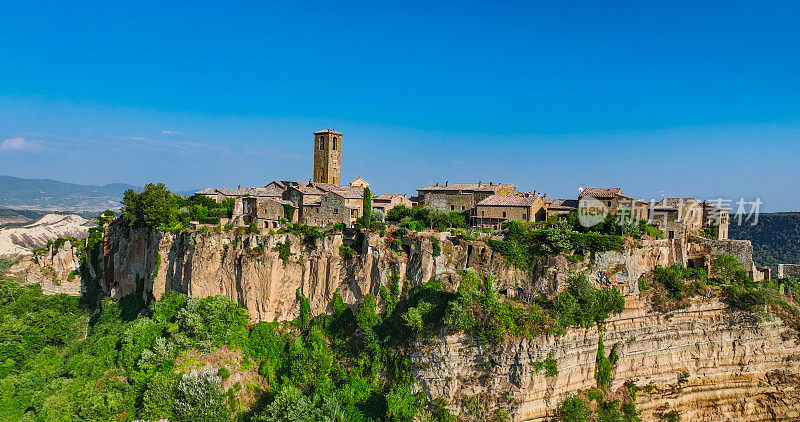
(52, 195)
(776, 238)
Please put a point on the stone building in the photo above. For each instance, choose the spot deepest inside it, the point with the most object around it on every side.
(268, 213)
(677, 217)
(614, 201)
(789, 270)
(388, 201)
(274, 190)
(328, 157)
(493, 210)
(461, 196)
(559, 206)
(716, 217)
(359, 182)
(335, 206)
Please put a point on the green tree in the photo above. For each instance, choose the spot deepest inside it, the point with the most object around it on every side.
(200, 399)
(367, 208)
(726, 267)
(155, 206)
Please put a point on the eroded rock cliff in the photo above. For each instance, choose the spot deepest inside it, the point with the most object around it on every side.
(739, 368)
(248, 268)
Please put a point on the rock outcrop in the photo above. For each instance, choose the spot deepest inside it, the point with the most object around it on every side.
(248, 267)
(19, 241)
(739, 368)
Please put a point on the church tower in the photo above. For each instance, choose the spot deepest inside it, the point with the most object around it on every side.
(328, 157)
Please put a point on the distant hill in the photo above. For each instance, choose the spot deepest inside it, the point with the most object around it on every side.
(776, 238)
(52, 195)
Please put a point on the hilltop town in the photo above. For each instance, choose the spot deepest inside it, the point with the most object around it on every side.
(323, 201)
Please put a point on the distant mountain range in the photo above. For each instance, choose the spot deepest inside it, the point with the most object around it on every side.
(52, 195)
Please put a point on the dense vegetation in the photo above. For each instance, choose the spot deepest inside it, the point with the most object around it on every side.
(774, 238)
(156, 207)
(425, 217)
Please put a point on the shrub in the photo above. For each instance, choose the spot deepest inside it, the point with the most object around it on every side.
(200, 398)
(346, 252)
(437, 247)
(159, 396)
(216, 319)
(573, 409)
(727, 268)
(292, 405)
(284, 250)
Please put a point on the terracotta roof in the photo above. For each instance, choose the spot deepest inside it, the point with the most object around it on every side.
(480, 187)
(600, 192)
(327, 131)
(508, 201)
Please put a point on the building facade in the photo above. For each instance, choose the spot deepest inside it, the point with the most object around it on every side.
(493, 210)
(461, 196)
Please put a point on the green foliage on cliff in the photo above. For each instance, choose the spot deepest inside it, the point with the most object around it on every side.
(284, 250)
(153, 207)
(672, 285)
(479, 309)
(62, 362)
(156, 207)
(524, 243)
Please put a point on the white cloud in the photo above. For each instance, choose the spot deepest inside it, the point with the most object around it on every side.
(19, 144)
(172, 132)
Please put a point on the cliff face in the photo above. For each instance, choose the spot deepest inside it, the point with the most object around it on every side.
(739, 368)
(248, 268)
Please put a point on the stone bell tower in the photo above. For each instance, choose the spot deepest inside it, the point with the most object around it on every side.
(328, 157)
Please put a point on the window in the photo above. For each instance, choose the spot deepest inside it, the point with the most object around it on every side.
(524, 216)
(504, 214)
(671, 234)
(452, 207)
(462, 208)
(336, 210)
(481, 213)
(334, 143)
(321, 143)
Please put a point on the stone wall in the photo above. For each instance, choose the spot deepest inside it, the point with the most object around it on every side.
(789, 270)
(700, 250)
(449, 201)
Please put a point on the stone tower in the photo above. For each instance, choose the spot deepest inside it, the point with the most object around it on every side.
(328, 157)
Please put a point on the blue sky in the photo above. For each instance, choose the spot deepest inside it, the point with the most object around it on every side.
(669, 98)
